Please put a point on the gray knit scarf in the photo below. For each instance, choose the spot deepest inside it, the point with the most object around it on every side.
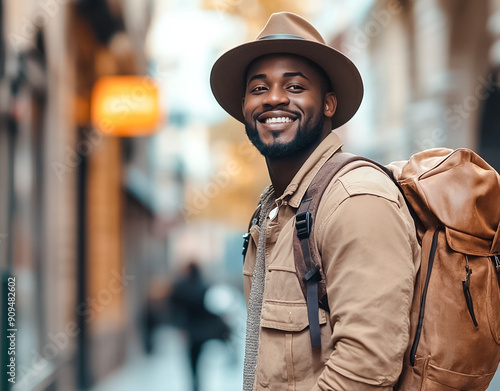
(256, 295)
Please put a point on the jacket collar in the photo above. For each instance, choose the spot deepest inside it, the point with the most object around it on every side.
(296, 189)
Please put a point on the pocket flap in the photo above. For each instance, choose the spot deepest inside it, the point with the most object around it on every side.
(287, 316)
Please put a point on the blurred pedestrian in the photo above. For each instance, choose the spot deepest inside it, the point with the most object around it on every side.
(187, 301)
(290, 90)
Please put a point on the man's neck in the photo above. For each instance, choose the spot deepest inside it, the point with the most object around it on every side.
(283, 170)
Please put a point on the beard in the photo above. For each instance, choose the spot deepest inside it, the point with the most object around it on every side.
(307, 134)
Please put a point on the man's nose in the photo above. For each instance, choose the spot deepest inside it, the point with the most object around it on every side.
(276, 96)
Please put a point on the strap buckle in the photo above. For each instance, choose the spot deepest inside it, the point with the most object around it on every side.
(303, 223)
(312, 275)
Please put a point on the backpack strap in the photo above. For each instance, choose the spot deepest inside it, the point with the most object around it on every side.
(307, 262)
(246, 237)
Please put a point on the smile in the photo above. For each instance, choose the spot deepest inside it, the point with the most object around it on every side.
(278, 120)
(276, 117)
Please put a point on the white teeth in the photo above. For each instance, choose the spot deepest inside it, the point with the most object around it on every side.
(274, 120)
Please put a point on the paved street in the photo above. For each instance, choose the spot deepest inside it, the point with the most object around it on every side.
(167, 368)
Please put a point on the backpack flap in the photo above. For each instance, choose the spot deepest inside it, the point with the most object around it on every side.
(457, 190)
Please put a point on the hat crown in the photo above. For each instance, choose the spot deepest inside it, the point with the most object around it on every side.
(292, 25)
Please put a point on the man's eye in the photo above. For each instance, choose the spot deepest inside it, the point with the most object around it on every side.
(258, 89)
(295, 87)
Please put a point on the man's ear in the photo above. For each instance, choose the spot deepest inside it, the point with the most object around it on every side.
(242, 104)
(330, 105)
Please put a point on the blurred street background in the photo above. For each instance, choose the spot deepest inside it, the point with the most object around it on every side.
(118, 169)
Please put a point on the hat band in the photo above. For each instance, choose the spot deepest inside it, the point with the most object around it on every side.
(281, 36)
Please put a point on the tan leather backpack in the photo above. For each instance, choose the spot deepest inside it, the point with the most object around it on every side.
(455, 315)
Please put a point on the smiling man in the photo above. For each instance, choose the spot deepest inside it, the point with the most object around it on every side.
(290, 90)
(287, 112)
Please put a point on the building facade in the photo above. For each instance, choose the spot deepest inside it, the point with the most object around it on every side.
(431, 78)
(62, 195)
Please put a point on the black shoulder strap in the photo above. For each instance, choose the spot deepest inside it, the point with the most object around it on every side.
(246, 237)
(308, 266)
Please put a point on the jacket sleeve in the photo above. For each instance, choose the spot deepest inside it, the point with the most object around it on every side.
(369, 252)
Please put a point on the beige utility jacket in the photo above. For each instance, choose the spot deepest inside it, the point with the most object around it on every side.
(370, 255)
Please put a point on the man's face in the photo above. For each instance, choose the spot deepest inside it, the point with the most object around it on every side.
(284, 105)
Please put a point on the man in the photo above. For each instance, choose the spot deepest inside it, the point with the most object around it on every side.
(187, 300)
(290, 90)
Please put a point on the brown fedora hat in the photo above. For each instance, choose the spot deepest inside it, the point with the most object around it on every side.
(289, 34)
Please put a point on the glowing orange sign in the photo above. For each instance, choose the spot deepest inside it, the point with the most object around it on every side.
(125, 106)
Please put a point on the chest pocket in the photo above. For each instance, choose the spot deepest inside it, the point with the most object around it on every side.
(287, 316)
(285, 333)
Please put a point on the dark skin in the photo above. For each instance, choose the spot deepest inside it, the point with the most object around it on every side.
(288, 108)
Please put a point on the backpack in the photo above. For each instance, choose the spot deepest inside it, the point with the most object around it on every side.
(454, 198)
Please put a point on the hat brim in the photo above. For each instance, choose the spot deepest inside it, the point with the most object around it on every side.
(227, 78)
